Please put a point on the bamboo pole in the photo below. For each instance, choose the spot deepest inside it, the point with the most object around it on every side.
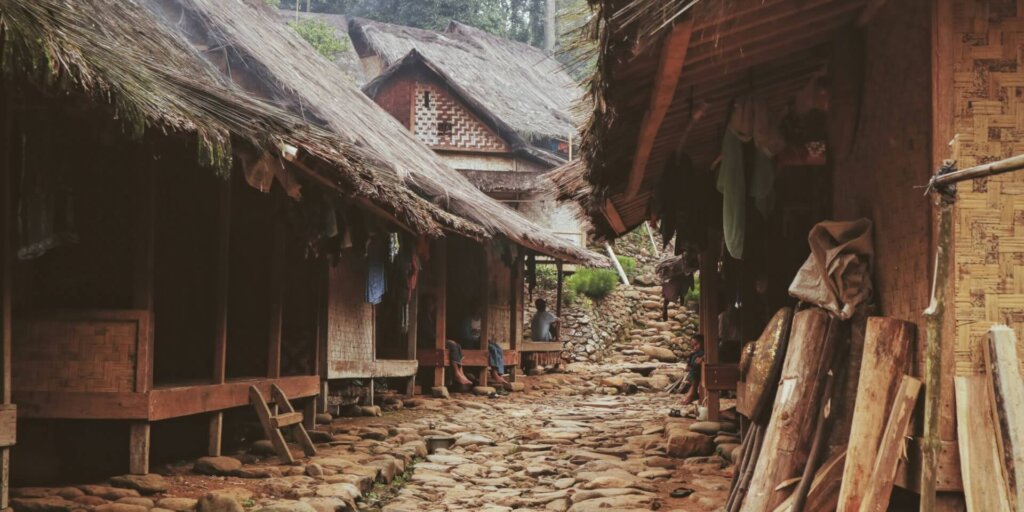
(650, 237)
(933, 349)
(618, 266)
(1014, 163)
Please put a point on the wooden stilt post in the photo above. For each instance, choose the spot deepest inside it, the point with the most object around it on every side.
(558, 292)
(6, 254)
(440, 258)
(138, 448)
(933, 356)
(221, 336)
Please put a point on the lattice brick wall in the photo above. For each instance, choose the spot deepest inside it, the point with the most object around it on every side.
(75, 355)
(350, 317)
(989, 220)
(443, 122)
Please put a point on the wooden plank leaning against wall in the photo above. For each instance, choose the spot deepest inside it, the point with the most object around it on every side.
(7, 428)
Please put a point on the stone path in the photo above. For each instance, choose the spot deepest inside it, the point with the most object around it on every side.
(563, 444)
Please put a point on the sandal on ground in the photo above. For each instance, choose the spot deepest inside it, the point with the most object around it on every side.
(681, 492)
(675, 413)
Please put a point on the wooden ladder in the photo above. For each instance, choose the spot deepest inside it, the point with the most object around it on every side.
(286, 417)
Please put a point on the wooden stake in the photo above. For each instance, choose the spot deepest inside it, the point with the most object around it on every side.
(980, 462)
(886, 354)
(138, 448)
(933, 358)
(879, 488)
(1003, 363)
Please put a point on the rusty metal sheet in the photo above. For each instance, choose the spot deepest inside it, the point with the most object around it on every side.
(761, 364)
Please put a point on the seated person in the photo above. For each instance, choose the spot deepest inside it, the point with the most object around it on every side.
(496, 360)
(544, 326)
(693, 371)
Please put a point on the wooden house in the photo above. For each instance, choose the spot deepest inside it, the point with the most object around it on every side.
(196, 232)
(895, 89)
(497, 110)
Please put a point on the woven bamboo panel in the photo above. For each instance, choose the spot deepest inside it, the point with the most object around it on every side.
(350, 317)
(65, 354)
(989, 220)
(499, 299)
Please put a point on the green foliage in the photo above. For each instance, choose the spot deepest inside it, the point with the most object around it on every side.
(628, 265)
(569, 296)
(595, 283)
(321, 36)
(273, 3)
(547, 277)
(694, 293)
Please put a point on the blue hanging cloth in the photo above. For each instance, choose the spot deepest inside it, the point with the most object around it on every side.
(376, 270)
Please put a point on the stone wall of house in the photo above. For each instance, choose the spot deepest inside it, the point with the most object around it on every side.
(626, 326)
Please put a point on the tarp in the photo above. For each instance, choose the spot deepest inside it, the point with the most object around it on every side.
(837, 274)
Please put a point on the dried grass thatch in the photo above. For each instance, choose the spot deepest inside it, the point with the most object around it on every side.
(514, 84)
(168, 63)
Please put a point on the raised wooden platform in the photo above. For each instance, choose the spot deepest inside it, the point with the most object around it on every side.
(372, 369)
(541, 346)
(155, 405)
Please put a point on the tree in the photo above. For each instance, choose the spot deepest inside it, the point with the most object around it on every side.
(321, 36)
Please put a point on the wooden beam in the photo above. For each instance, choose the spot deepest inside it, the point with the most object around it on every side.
(558, 292)
(82, 405)
(138, 448)
(277, 283)
(165, 403)
(670, 66)
(887, 345)
(1003, 363)
(216, 434)
(220, 343)
(6, 277)
(980, 461)
(145, 242)
(373, 369)
(614, 219)
(891, 448)
(440, 259)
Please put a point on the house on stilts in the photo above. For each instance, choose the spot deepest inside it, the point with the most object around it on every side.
(192, 208)
(740, 127)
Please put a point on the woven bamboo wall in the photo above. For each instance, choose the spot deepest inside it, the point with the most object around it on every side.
(76, 354)
(350, 317)
(499, 298)
(989, 221)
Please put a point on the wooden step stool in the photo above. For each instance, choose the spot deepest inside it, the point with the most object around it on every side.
(286, 417)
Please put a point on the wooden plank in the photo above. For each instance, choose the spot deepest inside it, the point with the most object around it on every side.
(8, 424)
(824, 492)
(670, 66)
(433, 359)
(613, 217)
(278, 260)
(81, 405)
(559, 290)
(879, 487)
(480, 358)
(145, 242)
(887, 344)
(980, 462)
(440, 257)
(165, 403)
(787, 437)
(721, 377)
(138, 448)
(216, 434)
(1003, 363)
(709, 313)
(870, 10)
(373, 369)
(541, 346)
(947, 476)
(220, 344)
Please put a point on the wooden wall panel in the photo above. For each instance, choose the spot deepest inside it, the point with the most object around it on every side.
(90, 351)
(989, 219)
(499, 299)
(350, 317)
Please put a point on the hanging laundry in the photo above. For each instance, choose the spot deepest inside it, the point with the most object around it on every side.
(394, 245)
(732, 185)
(762, 183)
(376, 270)
(531, 273)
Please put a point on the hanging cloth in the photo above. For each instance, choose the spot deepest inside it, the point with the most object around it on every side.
(531, 273)
(762, 183)
(732, 185)
(376, 270)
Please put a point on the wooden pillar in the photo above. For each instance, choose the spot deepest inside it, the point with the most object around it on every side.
(558, 291)
(309, 413)
(485, 314)
(138, 447)
(410, 351)
(6, 275)
(221, 336)
(277, 283)
(323, 316)
(709, 288)
(440, 258)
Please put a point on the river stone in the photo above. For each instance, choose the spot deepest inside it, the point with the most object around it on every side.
(145, 484)
(440, 392)
(319, 436)
(142, 502)
(69, 493)
(726, 449)
(108, 493)
(49, 504)
(287, 506)
(91, 501)
(370, 410)
(120, 507)
(661, 354)
(473, 440)
(484, 390)
(216, 465)
(178, 504)
(708, 428)
(218, 502)
(690, 444)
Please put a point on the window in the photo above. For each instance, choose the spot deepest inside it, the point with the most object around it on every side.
(426, 99)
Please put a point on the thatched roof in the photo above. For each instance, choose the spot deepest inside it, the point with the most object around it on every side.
(168, 64)
(770, 48)
(514, 85)
(347, 60)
